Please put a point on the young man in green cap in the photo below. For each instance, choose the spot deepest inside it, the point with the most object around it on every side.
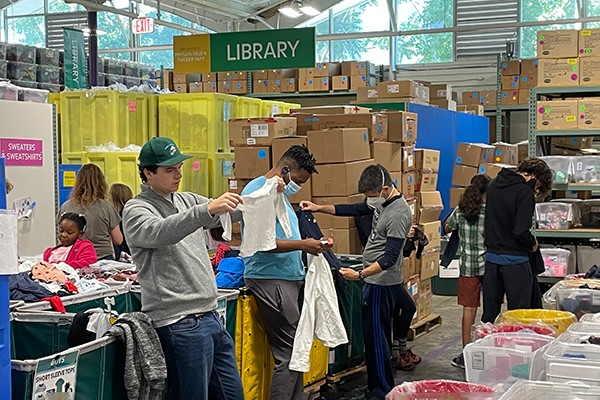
(165, 230)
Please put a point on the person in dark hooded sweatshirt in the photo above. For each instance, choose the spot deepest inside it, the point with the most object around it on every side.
(509, 239)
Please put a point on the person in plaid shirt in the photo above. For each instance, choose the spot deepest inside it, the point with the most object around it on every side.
(468, 219)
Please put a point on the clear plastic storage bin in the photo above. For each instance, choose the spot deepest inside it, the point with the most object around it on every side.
(21, 71)
(21, 53)
(595, 318)
(587, 169)
(556, 262)
(562, 168)
(502, 357)
(580, 299)
(48, 74)
(589, 211)
(3, 69)
(48, 57)
(567, 362)
(556, 215)
(3, 51)
(531, 390)
(8, 92)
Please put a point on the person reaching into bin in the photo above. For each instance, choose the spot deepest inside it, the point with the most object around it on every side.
(276, 278)
(165, 231)
(468, 220)
(382, 272)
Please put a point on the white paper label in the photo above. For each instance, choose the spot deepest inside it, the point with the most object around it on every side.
(579, 166)
(478, 360)
(9, 262)
(233, 185)
(410, 160)
(55, 377)
(250, 141)
(372, 93)
(274, 109)
(259, 130)
(393, 89)
(441, 93)
(374, 120)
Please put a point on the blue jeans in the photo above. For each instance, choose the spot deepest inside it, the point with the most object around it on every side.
(200, 360)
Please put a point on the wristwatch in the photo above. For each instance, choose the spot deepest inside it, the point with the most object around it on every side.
(361, 275)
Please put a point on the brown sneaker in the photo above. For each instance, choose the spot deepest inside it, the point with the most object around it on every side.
(411, 357)
(402, 363)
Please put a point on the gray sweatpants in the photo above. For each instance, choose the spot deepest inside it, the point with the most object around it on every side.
(279, 303)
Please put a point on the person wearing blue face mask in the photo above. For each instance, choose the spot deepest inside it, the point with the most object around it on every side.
(276, 278)
(383, 292)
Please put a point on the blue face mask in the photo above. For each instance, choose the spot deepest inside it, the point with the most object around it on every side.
(292, 187)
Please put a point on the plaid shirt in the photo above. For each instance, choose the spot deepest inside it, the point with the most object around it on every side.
(472, 249)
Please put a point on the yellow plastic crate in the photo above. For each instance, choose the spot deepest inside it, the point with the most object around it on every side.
(249, 107)
(73, 158)
(95, 118)
(195, 173)
(284, 108)
(220, 168)
(197, 122)
(54, 98)
(271, 107)
(319, 359)
(118, 167)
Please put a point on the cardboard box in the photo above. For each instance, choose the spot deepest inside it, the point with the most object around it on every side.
(376, 123)
(529, 74)
(429, 206)
(273, 85)
(424, 287)
(273, 74)
(509, 97)
(395, 89)
(511, 82)
(367, 94)
(306, 84)
(289, 85)
(522, 150)
(445, 104)
(506, 153)
(440, 91)
(589, 113)
(387, 154)
(556, 115)
(523, 96)
(471, 109)
(412, 286)
(511, 67)
(180, 87)
(589, 71)
(195, 87)
(424, 309)
(209, 77)
(322, 84)
(406, 268)
(252, 162)
(492, 170)
(322, 69)
(427, 160)
(232, 76)
(455, 195)
(412, 205)
(462, 175)
(167, 79)
(405, 183)
(320, 110)
(576, 143)
(260, 86)
(339, 145)
(358, 81)
(423, 92)
(338, 179)
(179, 78)
(233, 87)
(262, 74)
(558, 72)
(341, 82)
(408, 158)
(306, 73)
(402, 127)
(304, 122)
(433, 231)
(473, 154)
(589, 43)
(236, 185)
(430, 264)
(328, 221)
(352, 68)
(483, 97)
(555, 44)
(426, 181)
(209, 87)
(345, 241)
(260, 131)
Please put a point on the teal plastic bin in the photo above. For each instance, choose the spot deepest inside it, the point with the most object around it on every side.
(444, 286)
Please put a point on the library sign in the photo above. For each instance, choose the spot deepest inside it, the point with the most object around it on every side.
(244, 51)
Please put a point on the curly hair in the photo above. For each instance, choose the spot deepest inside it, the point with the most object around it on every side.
(90, 185)
(540, 170)
(471, 200)
(119, 195)
(298, 156)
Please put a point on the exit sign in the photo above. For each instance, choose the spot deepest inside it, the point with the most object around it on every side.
(142, 25)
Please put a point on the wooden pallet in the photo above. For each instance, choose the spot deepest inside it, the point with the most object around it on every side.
(338, 377)
(425, 325)
(314, 388)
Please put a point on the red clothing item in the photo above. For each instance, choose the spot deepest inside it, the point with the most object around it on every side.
(82, 254)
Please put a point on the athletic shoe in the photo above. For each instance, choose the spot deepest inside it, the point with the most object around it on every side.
(459, 361)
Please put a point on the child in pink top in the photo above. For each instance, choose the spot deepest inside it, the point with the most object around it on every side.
(72, 249)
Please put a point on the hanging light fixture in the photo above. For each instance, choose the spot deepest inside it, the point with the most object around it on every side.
(290, 10)
(309, 10)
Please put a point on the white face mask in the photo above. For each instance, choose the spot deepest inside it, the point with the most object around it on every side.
(375, 202)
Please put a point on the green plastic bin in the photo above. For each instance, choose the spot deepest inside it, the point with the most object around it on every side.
(444, 286)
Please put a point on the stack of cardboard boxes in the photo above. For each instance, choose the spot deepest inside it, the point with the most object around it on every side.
(209, 82)
(394, 92)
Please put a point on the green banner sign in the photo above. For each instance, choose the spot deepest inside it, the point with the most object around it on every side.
(245, 51)
(75, 59)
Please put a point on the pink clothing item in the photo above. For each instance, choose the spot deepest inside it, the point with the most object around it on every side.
(59, 254)
(82, 254)
(48, 273)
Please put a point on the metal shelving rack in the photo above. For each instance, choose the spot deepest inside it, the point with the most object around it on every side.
(577, 236)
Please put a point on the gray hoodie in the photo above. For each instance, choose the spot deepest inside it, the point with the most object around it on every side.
(168, 247)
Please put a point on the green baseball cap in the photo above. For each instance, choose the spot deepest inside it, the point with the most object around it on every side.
(161, 151)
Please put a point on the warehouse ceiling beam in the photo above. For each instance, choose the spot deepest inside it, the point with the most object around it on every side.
(392, 10)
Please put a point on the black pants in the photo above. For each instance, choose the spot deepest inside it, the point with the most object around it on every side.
(378, 307)
(403, 314)
(516, 281)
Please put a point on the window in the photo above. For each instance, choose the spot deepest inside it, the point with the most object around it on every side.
(536, 10)
(375, 50)
(157, 58)
(322, 50)
(424, 14)
(115, 31)
(162, 34)
(59, 6)
(27, 30)
(529, 37)
(120, 56)
(360, 16)
(424, 48)
(25, 8)
(592, 8)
